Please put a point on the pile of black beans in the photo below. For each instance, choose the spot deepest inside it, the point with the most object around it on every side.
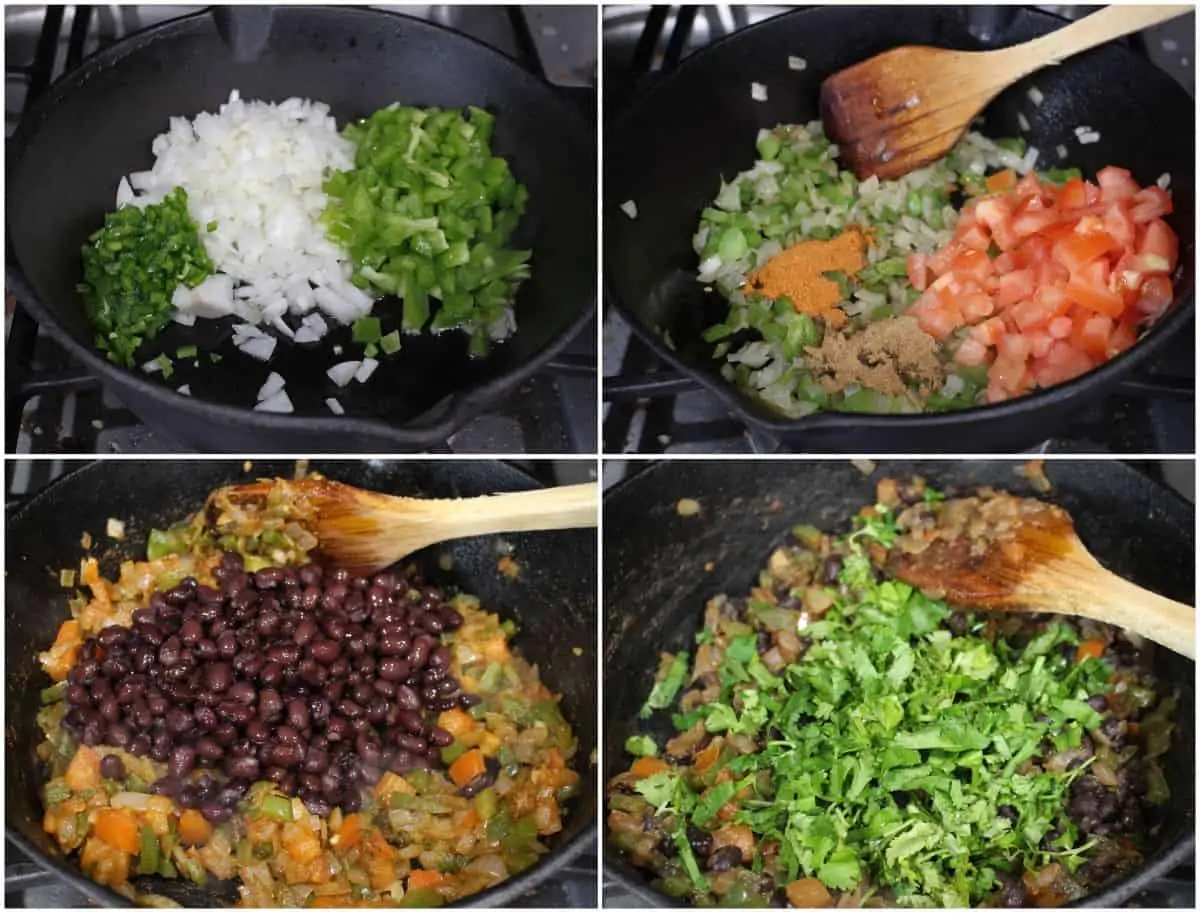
(305, 676)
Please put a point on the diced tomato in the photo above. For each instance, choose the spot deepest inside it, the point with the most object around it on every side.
(1072, 195)
(1014, 346)
(1124, 336)
(1155, 295)
(1120, 225)
(1115, 184)
(1032, 221)
(1079, 269)
(1015, 286)
(976, 306)
(971, 352)
(1151, 203)
(989, 332)
(1090, 334)
(1158, 239)
(1039, 343)
(1060, 327)
(1078, 250)
(971, 265)
(1061, 363)
(976, 238)
(918, 271)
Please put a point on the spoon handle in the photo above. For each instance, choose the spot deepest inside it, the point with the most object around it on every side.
(1164, 621)
(1090, 31)
(564, 507)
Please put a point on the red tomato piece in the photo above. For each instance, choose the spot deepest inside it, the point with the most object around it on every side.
(1090, 334)
(1061, 363)
(918, 271)
(1159, 240)
(1015, 286)
(1039, 343)
(1078, 250)
(971, 352)
(1151, 203)
(1154, 296)
(976, 238)
(996, 214)
(971, 266)
(1120, 225)
(990, 332)
(1032, 221)
(1014, 347)
(1124, 336)
(1073, 195)
(1115, 184)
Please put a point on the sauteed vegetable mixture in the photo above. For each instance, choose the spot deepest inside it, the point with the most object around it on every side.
(841, 739)
(230, 708)
(974, 279)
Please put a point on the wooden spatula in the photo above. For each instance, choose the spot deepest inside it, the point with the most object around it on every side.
(908, 106)
(1041, 566)
(364, 531)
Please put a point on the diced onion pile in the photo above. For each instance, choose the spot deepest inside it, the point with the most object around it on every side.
(253, 173)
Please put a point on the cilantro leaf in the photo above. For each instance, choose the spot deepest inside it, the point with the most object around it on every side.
(641, 746)
(712, 802)
(664, 691)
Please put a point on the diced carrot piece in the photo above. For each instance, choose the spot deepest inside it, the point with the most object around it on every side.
(425, 878)
(1092, 648)
(58, 660)
(456, 722)
(648, 767)
(1000, 181)
(468, 766)
(707, 757)
(118, 828)
(470, 820)
(194, 829)
(83, 772)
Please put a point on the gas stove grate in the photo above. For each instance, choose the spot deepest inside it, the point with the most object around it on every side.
(54, 405)
(649, 407)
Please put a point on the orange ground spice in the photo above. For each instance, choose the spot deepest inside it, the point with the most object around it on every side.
(797, 274)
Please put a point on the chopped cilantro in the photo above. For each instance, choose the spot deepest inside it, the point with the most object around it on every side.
(641, 746)
(667, 687)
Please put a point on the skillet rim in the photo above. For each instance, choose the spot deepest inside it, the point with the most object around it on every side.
(1094, 383)
(499, 895)
(436, 423)
(613, 863)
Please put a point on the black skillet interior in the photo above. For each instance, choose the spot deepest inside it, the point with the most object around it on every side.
(98, 123)
(669, 152)
(553, 602)
(657, 578)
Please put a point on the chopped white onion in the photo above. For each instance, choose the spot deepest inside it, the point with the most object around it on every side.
(335, 407)
(1061, 150)
(260, 347)
(1164, 180)
(1086, 139)
(797, 63)
(211, 298)
(758, 91)
(343, 372)
(124, 193)
(273, 385)
(365, 370)
(139, 802)
(280, 402)
(1023, 121)
(185, 390)
(630, 209)
(1035, 96)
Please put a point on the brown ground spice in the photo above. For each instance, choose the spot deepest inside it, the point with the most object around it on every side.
(882, 356)
(797, 274)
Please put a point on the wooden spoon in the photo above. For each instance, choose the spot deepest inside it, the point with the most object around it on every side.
(1041, 566)
(908, 106)
(365, 531)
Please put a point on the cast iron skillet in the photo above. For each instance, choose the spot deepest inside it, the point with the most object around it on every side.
(656, 582)
(97, 124)
(669, 152)
(555, 597)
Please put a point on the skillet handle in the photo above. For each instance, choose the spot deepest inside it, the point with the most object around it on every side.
(246, 29)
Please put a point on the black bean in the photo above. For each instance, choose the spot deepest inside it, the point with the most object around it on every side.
(271, 675)
(337, 729)
(243, 767)
(451, 619)
(207, 749)
(440, 737)
(439, 657)
(119, 735)
(183, 760)
(112, 767)
(287, 755)
(318, 806)
(411, 721)
(236, 713)
(325, 651)
(467, 701)
(420, 651)
(169, 652)
(315, 760)
(298, 713)
(351, 802)
(166, 786)
(394, 669)
(178, 720)
(214, 812)
(269, 578)
(287, 735)
(242, 692)
(410, 742)
(349, 709)
(407, 698)
(140, 746)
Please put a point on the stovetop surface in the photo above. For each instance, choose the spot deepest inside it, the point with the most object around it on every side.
(59, 408)
(649, 408)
